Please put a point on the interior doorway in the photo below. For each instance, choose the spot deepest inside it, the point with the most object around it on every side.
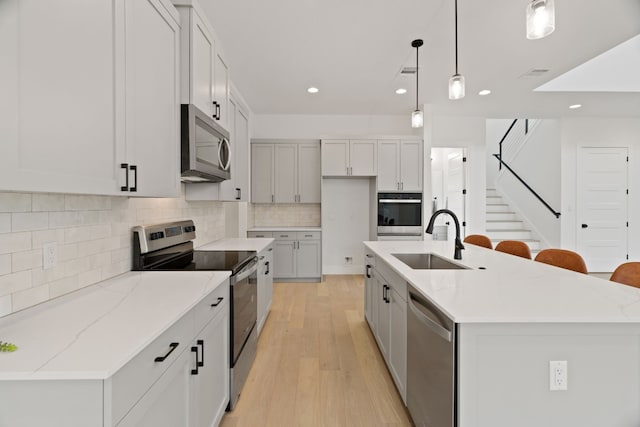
(448, 189)
(602, 217)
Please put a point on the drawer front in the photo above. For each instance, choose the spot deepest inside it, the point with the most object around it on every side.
(131, 382)
(392, 278)
(211, 305)
(259, 233)
(308, 235)
(285, 235)
(369, 258)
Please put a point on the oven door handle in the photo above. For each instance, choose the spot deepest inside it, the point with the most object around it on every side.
(413, 201)
(247, 271)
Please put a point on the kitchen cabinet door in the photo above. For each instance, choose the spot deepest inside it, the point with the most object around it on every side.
(241, 141)
(369, 294)
(168, 402)
(221, 86)
(210, 386)
(363, 157)
(308, 173)
(265, 285)
(411, 166)
(285, 173)
(59, 130)
(284, 259)
(389, 165)
(397, 356)
(308, 259)
(202, 51)
(335, 157)
(384, 316)
(262, 164)
(152, 101)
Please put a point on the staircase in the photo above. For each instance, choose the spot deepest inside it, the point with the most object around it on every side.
(504, 224)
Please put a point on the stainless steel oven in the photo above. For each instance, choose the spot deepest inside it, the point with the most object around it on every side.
(399, 214)
(170, 247)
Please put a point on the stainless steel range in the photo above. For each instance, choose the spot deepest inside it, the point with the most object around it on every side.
(169, 247)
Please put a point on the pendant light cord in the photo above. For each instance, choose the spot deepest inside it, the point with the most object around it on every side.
(417, 75)
(456, 26)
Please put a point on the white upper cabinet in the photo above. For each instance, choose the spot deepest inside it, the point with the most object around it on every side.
(341, 157)
(399, 165)
(86, 88)
(262, 164)
(221, 87)
(308, 173)
(285, 173)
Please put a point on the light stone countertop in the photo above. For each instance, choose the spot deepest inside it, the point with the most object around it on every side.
(237, 244)
(91, 333)
(285, 229)
(511, 289)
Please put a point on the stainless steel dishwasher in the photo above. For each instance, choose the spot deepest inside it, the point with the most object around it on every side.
(431, 364)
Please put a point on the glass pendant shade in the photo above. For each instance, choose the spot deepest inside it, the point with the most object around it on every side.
(417, 119)
(541, 19)
(456, 86)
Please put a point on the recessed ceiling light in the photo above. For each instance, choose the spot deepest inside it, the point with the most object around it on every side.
(312, 90)
(401, 91)
(484, 92)
(574, 106)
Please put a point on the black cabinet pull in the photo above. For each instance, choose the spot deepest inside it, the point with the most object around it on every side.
(125, 166)
(385, 294)
(266, 264)
(195, 371)
(201, 362)
(215, 109)
(172, 346)
(217, 303)
(134, 168)
(238, 193)
(270, 249)
(584, 225)
(367, 272)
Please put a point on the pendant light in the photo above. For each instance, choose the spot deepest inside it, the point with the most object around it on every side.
(541, 19)
(417, 118)
(456, 82)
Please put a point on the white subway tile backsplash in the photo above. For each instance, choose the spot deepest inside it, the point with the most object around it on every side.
(40, 276)
(77, 234)
(76, 266)
(42, 202)
(15, 202)
(15, 282)
(46, 236)
(63, 286)
(14, 242)
(27, 260)
(86, 203)
(30, 297)
(5, 223)
(29, 221)
(282, 215)
(65, 219)
(5, 264)
(5, 305)
(89, 277)
(67, 252)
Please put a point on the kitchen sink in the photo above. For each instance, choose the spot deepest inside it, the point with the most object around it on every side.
(428, 261)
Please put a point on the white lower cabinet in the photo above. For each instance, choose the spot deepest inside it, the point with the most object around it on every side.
(265, 284)
(386, 313)
(297, 255)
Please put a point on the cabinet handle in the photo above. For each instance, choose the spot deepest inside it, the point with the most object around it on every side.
(308, 235)
(368, 274)
(217, 303)
(270, 249)
(134, 168)
(369, 256)
(172, 347)
(584, 226)
(201, 362)
(261, 257)
(384, 293)
(266, 264)
(402, 186)
(238, 194)
(215, 109)
(125, 166)
(195, 371)
(272, 198)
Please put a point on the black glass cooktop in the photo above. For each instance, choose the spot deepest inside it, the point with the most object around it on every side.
(232, 261)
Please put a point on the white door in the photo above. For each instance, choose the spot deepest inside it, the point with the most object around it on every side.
(456, 190)
(602, 207)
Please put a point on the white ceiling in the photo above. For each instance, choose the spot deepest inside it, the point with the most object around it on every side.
(353, 50)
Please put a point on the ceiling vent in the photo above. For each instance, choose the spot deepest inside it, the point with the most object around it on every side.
(536, 72)
(408, 70)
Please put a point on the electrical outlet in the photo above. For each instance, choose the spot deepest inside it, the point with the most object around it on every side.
(558, 375)
(49, 255)
(348, 260)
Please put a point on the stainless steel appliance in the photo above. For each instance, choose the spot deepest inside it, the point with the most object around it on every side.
(399, 215)
(170, 247)
(205, 150)
(431, 364)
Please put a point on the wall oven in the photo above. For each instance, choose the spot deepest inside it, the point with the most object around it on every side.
(399, 214)
(205, 150)
(169, 247)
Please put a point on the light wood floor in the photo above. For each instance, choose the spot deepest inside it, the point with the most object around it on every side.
(318, 363)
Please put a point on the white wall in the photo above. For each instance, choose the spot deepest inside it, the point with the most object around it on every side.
(538, 164)
(345, 212)
(599, 132)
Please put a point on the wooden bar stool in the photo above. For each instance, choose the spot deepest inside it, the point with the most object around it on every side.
(562, 258)
(627, 274)
(478, 240)
(514, 247)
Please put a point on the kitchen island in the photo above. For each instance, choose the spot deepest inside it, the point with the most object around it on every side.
(512, 318)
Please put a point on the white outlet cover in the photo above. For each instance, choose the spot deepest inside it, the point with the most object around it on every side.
(49, 255)
(558, 375)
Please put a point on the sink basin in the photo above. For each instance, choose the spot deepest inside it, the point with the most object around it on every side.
(428, 261)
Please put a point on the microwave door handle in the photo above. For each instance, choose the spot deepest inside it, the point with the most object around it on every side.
(225, 142)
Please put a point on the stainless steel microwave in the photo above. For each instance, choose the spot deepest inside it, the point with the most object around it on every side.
(205, 149)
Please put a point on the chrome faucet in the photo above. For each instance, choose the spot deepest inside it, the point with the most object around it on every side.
(459, 246)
